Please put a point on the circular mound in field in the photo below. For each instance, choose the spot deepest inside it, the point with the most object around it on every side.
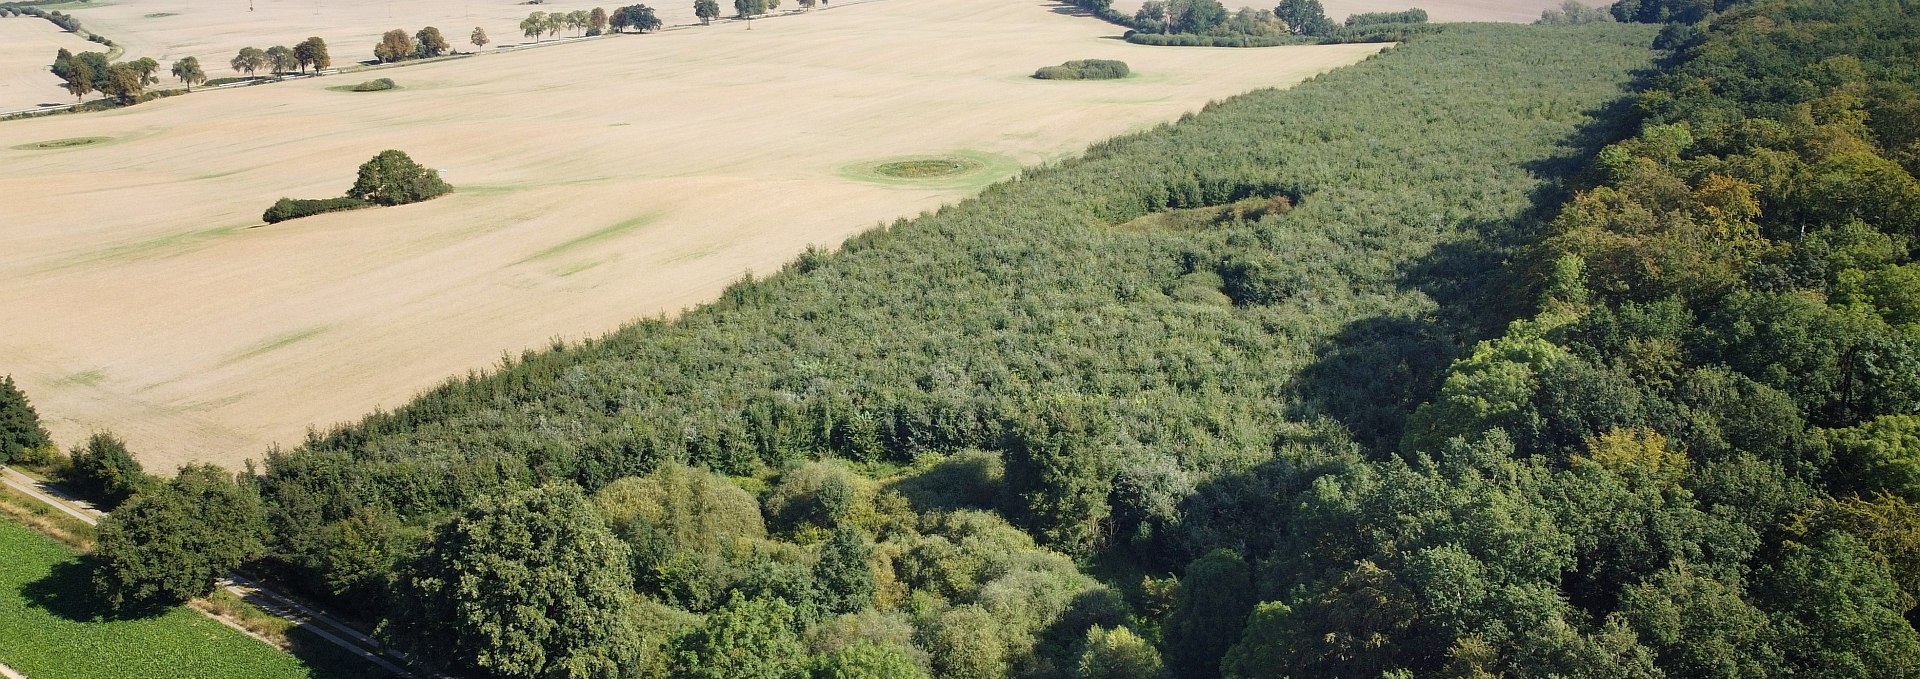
(926, 168)
(67, 143)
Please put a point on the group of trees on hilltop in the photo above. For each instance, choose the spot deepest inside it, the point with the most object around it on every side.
(584, 22)
(398, 45)
(89, 72)
(126, 82)
(278, 59)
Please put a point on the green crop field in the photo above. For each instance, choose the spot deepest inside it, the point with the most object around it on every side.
(53, 629)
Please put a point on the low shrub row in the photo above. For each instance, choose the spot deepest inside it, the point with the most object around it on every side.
(1084, 69)
(295, 208)
(376, 85)
(1196, 40)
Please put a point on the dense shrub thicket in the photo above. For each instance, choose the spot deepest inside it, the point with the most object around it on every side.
(847, 464)
(295, 208)
(375, 85)
(1084, 69)
(1411, 16)
(1197, 40)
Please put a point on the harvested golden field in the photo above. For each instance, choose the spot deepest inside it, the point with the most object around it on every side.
(27, 46)
(596, 182)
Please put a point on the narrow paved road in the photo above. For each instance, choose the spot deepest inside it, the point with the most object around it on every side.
(303, 617)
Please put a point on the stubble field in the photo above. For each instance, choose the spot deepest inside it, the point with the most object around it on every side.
(596, 183)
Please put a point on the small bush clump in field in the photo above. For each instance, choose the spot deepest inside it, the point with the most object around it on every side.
(1084, 69)
(390, 178)
(295, 208)
(377, 85)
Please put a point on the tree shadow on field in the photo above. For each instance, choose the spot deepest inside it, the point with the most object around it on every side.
(326, 660)
(68, 592)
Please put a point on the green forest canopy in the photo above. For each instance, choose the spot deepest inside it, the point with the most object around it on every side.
(1496, 396)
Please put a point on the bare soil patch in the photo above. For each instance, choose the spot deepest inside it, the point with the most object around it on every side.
(595, 183)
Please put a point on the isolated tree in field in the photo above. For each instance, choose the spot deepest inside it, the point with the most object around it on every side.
(20, 430)
(530, 584)
(479, 38)
(597, 21)
(394, 46)
(169, 544)
(429, 42)
(707, 10)
(392, 178)
(313, 52)
(1305, 17)
(249, 59)
(282, 59)
(188, 71)
(104, 471)
(534, 25)
(750, 8)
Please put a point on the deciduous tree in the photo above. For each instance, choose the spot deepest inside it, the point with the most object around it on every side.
(392, 178)
(104, 471)
(429, 43)
(188, 71)
(313, 52)
(249, 59)
(169, 544)
(526, 585)
(479, 38)
(282, 59)
(394, 45)
(706, 10)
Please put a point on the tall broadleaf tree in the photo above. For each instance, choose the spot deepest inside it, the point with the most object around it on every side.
(468, 602)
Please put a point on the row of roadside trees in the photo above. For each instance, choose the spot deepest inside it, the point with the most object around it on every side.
(309, 53)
